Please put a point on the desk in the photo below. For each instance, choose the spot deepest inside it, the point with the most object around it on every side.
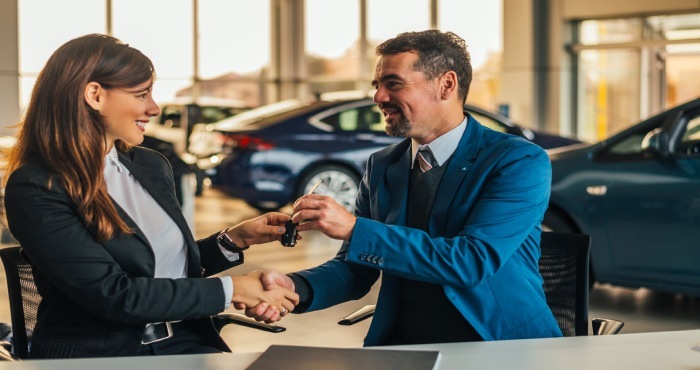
(662, 350)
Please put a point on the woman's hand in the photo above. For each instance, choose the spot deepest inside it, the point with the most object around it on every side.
(263, 311)
(248, 290)
(262, 229)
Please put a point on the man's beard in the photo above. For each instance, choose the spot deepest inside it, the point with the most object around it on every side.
(400, 128)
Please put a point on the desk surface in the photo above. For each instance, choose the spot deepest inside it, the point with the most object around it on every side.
(663, 350)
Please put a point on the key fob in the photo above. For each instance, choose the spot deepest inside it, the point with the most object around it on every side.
(289, 238)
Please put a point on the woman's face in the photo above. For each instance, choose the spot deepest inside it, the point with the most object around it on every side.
(126, 112)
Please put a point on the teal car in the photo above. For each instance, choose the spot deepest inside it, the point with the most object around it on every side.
(637, 194)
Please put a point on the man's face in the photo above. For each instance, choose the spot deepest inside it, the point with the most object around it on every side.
(409, 102)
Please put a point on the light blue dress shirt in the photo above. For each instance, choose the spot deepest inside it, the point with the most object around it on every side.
(443, 146)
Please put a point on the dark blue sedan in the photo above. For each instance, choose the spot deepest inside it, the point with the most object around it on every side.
(638, 195)
(271, 155)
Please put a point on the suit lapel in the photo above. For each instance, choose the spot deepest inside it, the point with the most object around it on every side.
(396, 184)
(132, 225)
(163, 195)
(458, 167)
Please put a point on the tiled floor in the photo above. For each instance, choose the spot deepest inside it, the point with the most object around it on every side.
(641, 310)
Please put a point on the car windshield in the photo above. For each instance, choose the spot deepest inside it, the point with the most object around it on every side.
(257, 114)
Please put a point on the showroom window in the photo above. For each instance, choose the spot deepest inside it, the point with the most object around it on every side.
(632, 68)
(166, 38)
(388, 18)
(46, 25)
(233, 43)
(233, 49)
(366, 118)
(480, 24)
(231, 55)
(336, 61)
(333, 55)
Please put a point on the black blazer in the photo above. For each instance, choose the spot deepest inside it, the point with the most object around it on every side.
(97, 297)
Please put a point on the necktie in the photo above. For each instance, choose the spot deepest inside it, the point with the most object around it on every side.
(425, 159)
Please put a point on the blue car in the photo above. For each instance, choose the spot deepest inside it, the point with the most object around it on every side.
(637, 194)
(271, 155)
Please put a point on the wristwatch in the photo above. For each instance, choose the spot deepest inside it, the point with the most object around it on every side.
(225, 241)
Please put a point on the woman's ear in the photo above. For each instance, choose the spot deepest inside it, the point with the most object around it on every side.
(93, 95)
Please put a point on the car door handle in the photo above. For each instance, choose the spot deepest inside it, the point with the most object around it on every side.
(597, 190)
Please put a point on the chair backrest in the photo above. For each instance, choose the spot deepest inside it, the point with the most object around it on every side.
(564, 268)
(24, 299)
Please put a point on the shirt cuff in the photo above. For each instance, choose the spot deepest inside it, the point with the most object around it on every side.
(227, 282)
(230, 256)
(304, 290)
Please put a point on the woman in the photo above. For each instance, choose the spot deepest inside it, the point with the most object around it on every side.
(97, 217)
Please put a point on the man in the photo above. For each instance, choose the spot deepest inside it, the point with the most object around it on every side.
(451, 216)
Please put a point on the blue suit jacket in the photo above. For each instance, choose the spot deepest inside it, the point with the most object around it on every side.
(482, 244)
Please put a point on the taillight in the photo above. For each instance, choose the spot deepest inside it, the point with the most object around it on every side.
(247, 142)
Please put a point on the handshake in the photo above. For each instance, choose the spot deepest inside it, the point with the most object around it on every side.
(264, 296)
(270, 296)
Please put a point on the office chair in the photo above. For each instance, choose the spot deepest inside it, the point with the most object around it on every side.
(564, 268)
(24, 303)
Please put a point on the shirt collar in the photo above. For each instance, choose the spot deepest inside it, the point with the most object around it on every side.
(112, 158)
(443, 146)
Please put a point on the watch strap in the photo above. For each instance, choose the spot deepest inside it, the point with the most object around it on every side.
(227, 243)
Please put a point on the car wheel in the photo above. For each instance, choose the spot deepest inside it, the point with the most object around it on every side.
(338, 182)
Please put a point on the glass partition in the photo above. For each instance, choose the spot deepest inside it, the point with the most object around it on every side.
(632, 68)
(608, 92)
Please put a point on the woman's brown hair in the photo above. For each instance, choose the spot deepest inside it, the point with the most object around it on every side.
(64, 133)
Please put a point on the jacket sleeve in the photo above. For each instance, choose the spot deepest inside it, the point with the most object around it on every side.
(509, 200)
(337, 281)
(214, 261)
(63, 251)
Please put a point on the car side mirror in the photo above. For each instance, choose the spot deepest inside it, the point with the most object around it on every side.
(655, 142)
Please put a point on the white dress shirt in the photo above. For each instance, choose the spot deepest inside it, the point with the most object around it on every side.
(164, 236)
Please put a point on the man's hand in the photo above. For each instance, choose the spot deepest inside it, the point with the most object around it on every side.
(320, 212)
(262, 311)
